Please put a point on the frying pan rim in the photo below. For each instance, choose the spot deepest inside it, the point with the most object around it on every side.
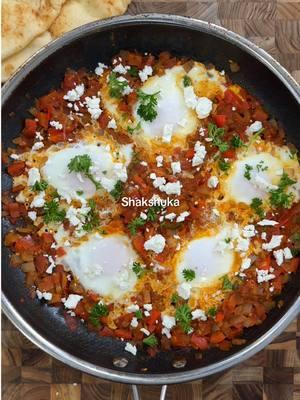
(181, 22)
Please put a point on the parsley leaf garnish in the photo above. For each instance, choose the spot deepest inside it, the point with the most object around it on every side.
(116, 85)
(187, 81)
(92, 218)
(247, 173)
(261, 167)
(99, 310)
(52, 212)
(138, 314)
(189, 274)
(236, 142)
(223, 165)
(150, 340)
(152, 213)
(135, 129)
(216, 135)
(226, 283)
(39, 186)
(82, 164)
(256, 205)
(138, 269)
(278, 197)
(175, 298)
(183, 315)
(117, 190)
(135, 224)
(212, 311)
(148, 103)
(133, 71)
(79, 192)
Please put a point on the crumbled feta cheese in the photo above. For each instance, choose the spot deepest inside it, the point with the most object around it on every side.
(39, 136)
(158, 181)
(15, 156)
(246, 264)
(200, 153)
(145, 331)
(38, 200)
(176, 167)
(216, 212)
(134, 322)
(249, 231)
(130, 348)
(100, 69)
(145, 73)
(184, 290)
(56, 124)
(32, 215)
(199, 314)
(33, 176)
(190, 97)
(52, 265)
(37, 146)
(93, 106)
(287, 253)
(120, 69)
(74, 94)
(274, 242)
(143, 216)
(267, 222)
(45, 295)
(147, 307)
(165, 331)
(279, 256)
(212, 182)
(168, 321)
(255, 127)
(264, 236)
(167, 133)
(242, 244)
(133, 308)
(144, 163)
(203, 107)
(72, 301)
(182, 216)
(263, 275)
(170, 216)
(112, 124)
(159, 161)
(156, 243)
(171, 188)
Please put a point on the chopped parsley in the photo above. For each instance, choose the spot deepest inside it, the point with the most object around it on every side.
(150, 340)
(133, 130)
(247, 173)
(117, 190)
(295, 239)
(278, 197)
(138, 314)
(92, 218)
(133, 71)
(255, 136)
(256, 205)
(175, 298)
(152, 213)
(183, 315)
(189, 274)
(82, 164)
(39, 186)
(116, 85)
(99, 310)
(148, 103)
(187, 81)
(226, 283)
(227, 240)
(216, 135)
(79, 192)
(138, 269)
(261, 167)
(223, 165)
(52, 212)
(135, 224)
(236, 142)
(212, 311)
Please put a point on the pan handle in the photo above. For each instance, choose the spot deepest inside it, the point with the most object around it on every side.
(136, 396)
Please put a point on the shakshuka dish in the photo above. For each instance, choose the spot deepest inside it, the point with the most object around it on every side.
(156, 201)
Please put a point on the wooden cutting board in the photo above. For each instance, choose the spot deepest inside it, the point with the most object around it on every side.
(274, 373)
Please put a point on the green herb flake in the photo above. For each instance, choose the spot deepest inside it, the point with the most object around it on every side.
(82, 164)
(189, 274)
(152, 213)
(212, 311)
(248, 169)
(135, 224)
(223, 165)
(39, 186)
(138, 269)
(134, 130)
(150, 341)
(52, 212)
(278, 197)
(133, 71)
(256, 205)
(79, 192)
(139, 314)
(187, 81)
(216, 135)
(92, 219)
(116, 85)
(117, 190)
(175, 298)
(183, 316)
(254, 137)
(148, 104)
(99, 310)
(236, 142)
(226, 283)
(261, 167)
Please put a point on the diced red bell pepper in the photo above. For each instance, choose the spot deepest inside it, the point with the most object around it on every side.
(56, 136)
(16, 168)
(220, 120)
(199, 342)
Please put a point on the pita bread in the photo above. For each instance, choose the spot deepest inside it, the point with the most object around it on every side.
(12, 63)
(23, 20)
(78, 12)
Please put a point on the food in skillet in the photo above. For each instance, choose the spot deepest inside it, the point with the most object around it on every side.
(159, 203)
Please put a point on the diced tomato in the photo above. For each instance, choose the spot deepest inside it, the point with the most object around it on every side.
(199, 342)
(134, 60)
(179, 338)
(60, 251)
(13, 209)
(220, 120)
(71, 79)
(190, 153)
(217, 337)
(123, 333)
(219, 316)
(265, 263)
(26, 244)
(260, 115)
(92, 295)
(30, 128)
(291, 265)
(56, 136)
(41, 263)
(231, 98)
(231, 154)
(46, 284)
(46, 241)
(106, 331)
(43, 119)
(16, 168)
(103, 120)
(154, 316)
(80, 311)
(138, 243)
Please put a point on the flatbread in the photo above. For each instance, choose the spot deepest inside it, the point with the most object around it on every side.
(78, 12)
(24, 20)
(12, 63)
